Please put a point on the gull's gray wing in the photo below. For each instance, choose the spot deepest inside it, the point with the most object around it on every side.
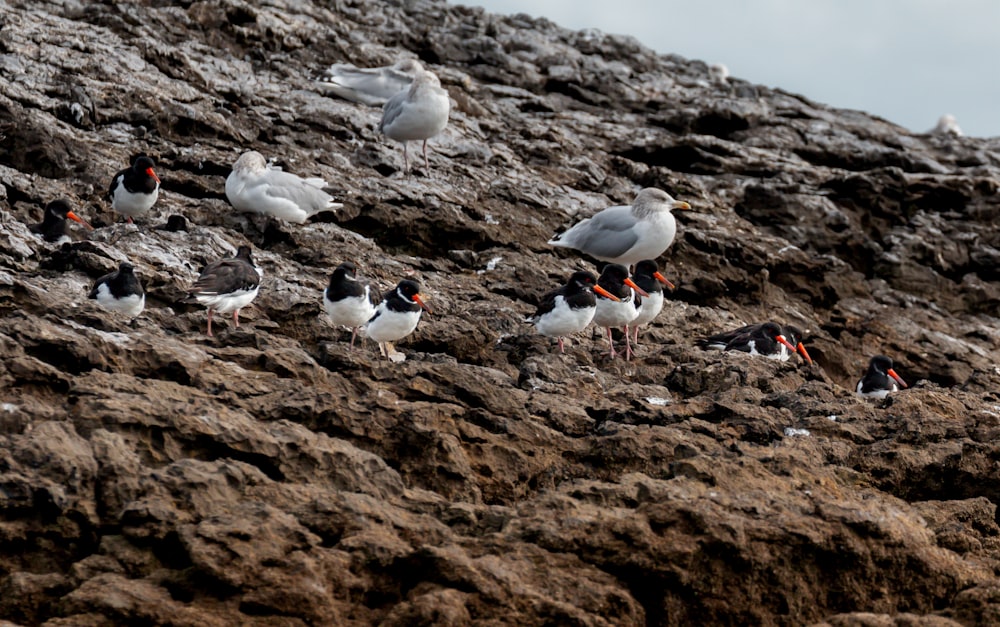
(609, 233)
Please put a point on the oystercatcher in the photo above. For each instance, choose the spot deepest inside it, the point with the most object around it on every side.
(880, 379)
(53, 227)
(120, 291)
(620, 311)
(568, 308)
(227, 285)
(647, 276)
(626, 234)
(348, 301)
(766, 339)
(135, 189)
(255, 187)
(397, 315)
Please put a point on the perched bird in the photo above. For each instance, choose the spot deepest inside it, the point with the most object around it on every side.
(880, 379)
(766, 339)
(53, 227)
(397, 315)
(719, 73)
(626, 234)
(647, 276)
(348, 301)
(419, 113)
(227, 285)
(255, 187)
(619, 311)
(947, 125)
(120, 291)
(569, 308)
(371, 86)
(135, 189)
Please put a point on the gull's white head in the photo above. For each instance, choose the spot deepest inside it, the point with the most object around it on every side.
(250, 161)
(947, 126)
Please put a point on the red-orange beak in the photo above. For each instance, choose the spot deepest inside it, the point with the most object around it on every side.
(606, 294)
(662, 279)
(75, 218)
(899, 379)
(781, 338)
(805, 354)
(150, 172)
(639, 290)
(420, 302)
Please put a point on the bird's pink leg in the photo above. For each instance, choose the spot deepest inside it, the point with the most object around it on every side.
(562, 349)
(129, 219)
(426, 165)
(611, 343)
(209, 322)
(406, 159)
(354, 333)
(635, 341)
(236, 318)
(628, 345)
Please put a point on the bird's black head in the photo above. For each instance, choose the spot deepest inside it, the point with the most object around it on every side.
(142, 163)
(59, 208)
(881, 363)
(243, 252)
(347, 269)
(409, 289)
(771, 329)
(582, 279)
(125, 267)
(646, 268)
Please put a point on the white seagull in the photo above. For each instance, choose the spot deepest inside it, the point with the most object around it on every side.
(417, 114)
(255, 187)
(371, 86)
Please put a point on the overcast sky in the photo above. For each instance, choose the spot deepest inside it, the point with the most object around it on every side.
(908, 61)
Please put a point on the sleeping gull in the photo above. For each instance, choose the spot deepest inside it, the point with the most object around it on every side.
(626, 234)
(419, 113)
(255, 187)
(371, 86)
(947, 125)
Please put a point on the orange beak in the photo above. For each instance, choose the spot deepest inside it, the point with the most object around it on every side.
(606, 294)
(781, 338)
(662, 279)
(75, 218)
(150, 172)
(899, 379)
(805, 354)
(639, 290)
(680, 204)
(420, 302)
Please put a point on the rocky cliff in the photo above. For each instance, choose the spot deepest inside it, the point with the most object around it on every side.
(269, 476)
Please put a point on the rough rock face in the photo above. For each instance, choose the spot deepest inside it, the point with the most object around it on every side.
(269, 476)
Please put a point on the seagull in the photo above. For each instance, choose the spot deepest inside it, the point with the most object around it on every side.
(419, 113)
(348, 302)
(397, 315)
(255, 187)
(134, 190)
(120, 291)
(877, 382)
(647, 276)
(53, 227)
(719, 73)
(947, 125)
(227, 285)
(569, 308)
(760, 339)
(626, 234)
(371, 86)
(619, 311)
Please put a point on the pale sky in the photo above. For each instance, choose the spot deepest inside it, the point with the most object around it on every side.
(908, 61)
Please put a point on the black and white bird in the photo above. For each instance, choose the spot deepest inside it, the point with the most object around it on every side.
(53, 228)
(417, 114)
(569, 308)
(647, 276)
(135, 189)
(397, 315)
(619, 311)
(626, 234)
(253, 186)
(347, 300)
(767, 339)
(227, 285)
(120, 291)
(880, 379)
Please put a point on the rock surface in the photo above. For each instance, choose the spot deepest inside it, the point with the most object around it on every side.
(269, 476)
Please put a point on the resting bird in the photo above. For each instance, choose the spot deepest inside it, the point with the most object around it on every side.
(120, 291)
(255, 187)
(626, 234)
(647, 276)
(621, 310)
(767, 339)
(879, 379)
(53, 228)
(371, 86)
